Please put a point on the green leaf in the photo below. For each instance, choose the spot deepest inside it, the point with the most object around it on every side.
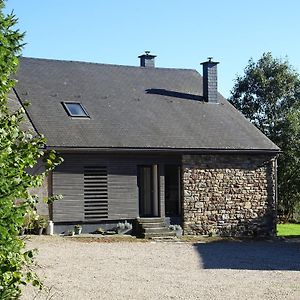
(19, 150)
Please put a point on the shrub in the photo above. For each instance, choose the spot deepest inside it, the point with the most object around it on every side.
(19, 152)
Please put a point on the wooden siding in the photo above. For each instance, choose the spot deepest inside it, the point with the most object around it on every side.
(122, 189)
(68, 180)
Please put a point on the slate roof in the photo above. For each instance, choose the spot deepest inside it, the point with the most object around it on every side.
(130, 107)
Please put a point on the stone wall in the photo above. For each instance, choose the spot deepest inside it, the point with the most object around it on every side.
(229, 195)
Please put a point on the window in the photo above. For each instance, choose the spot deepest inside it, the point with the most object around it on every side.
(75, 109)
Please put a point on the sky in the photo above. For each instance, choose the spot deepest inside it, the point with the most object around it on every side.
(182, 33)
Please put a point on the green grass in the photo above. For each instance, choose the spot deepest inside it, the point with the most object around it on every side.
(288, 229)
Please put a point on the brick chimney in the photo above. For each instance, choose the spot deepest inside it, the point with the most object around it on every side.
(210, 81)
(147, 60)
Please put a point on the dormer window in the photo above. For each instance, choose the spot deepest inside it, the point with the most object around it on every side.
(75, 109)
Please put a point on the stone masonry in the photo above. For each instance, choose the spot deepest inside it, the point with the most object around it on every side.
(229, 195)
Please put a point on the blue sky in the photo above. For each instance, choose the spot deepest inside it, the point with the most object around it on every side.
(181, 33)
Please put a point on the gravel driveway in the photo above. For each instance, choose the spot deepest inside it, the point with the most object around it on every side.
(167, 270)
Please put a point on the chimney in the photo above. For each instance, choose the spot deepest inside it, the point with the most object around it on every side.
(147, 60)
(210, 81)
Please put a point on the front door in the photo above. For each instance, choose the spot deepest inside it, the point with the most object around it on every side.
(148, 191)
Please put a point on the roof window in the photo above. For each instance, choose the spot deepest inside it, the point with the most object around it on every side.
(75, 109)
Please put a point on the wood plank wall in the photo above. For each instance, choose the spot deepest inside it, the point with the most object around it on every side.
(68, 180)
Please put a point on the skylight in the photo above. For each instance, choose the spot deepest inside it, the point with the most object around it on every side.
(75, 109)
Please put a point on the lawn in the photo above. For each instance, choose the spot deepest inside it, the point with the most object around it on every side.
(288, 229)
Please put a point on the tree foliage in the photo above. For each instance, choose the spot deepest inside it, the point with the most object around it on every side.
(289, 165)
(268, 94)
(19, 152)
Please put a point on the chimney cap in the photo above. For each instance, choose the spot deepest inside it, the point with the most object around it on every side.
(147, 55)
(210, 61)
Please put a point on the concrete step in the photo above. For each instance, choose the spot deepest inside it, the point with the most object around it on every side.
(168, 234)
(156, 230)
(164, 239)
(153, 225)
(150, 220)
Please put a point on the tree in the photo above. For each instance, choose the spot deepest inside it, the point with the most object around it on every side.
(289, 165)
(19, 152)
(268, 94)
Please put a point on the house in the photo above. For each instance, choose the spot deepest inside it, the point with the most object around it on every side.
(147, 143)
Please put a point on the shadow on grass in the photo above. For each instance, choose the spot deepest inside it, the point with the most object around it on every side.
(250, 255)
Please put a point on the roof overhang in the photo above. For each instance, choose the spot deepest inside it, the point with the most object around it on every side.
(164, 150)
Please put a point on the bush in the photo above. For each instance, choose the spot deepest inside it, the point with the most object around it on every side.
(19, 152)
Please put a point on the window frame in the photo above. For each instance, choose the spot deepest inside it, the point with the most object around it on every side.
(65, 105)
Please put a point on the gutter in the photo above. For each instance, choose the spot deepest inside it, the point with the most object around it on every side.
(163, 150)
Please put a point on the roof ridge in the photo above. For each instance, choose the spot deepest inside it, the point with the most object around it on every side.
(104, 64)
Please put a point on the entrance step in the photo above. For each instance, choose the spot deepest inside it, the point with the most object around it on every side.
(165, 239)
(156, 230)
(151, 220)
(153, 228)
(166, 234)
(153, 225)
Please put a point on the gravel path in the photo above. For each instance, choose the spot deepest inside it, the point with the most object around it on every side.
(167, 270)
